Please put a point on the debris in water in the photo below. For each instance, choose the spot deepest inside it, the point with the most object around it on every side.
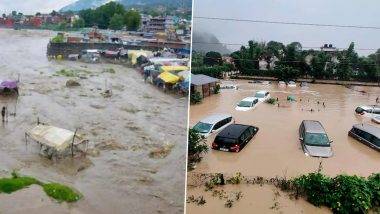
(110, 145)
(72, 83)
(162, 152)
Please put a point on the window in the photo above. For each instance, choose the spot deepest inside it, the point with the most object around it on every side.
(229, 119)
(218, 125)
(202, 127)
(245, 104)
(376, 141)
(316, 139)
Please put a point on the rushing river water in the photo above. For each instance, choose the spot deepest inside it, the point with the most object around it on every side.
(136, 120)
(275, 150)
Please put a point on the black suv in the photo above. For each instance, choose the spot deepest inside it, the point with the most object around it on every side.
(234, 137)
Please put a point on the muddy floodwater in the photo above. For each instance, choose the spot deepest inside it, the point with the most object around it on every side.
(276, 150)
(137, 136)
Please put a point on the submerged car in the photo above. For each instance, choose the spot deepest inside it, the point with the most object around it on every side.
(376, 119)
(292, 84)
(213, 124)
(262, 96)
(370, 110)
(366, 134)
(247, 104)
(314, 140)
(281, 84)
(234, 137)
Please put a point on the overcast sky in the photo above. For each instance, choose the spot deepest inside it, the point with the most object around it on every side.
(340, 12)
(32, 6)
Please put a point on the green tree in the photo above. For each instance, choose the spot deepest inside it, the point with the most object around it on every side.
(196, 147)
(102, 15)
(213, 58)
(79, 23)
(132, 19)
(116, 22)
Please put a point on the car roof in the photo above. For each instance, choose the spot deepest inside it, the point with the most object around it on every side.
(233, 131)
(262, 92)
(313, 126)
(249, 99)
(369, 128)
(370, 107)
(212, 119)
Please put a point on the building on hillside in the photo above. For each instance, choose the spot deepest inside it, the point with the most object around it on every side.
(203, 84)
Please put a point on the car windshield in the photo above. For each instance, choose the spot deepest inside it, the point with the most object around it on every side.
(316, 139)
(245, 104)
(202, 127)
(259, 95)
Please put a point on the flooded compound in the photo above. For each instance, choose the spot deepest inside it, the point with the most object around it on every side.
(276, 150)
(137, 134)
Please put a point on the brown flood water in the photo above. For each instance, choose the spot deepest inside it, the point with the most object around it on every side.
(138, 118)
(275, 150)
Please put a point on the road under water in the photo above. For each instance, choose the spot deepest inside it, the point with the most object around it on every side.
(275, 150)
(121, 177)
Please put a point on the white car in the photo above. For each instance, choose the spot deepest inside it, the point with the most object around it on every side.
(262, 96)
(247, 104)
(370, 110)
(213, 124)
(292, 84)
(265, 83)
(376, 119)
(281, 84)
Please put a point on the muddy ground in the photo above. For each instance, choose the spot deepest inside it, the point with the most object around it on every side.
(137, 136)
(275, 150)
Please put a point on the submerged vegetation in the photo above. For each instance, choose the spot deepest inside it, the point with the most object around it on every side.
(57, 191)
(196, 147)
(342, 194)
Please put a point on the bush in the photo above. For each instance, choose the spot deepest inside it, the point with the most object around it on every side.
(271, 101)
(61, 192)
(195, 98)
(350, 194)
(196, 146)
(57, 39)
(217, 89)
(315, 186)
(374, 185)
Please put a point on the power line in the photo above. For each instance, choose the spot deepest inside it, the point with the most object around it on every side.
(241, 44)
(288, 23)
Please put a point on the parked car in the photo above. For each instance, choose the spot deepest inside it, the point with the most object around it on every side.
(292, 84)
(314, 140)
(247, 104)
(234, 137)
(213, 124)
(376, 119)
(265, 83)
(370, 110)
(304, 84)
(262, 95)
(367, 134)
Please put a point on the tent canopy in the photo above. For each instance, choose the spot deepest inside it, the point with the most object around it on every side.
(168, 77)
(51, 136)
(174, 68)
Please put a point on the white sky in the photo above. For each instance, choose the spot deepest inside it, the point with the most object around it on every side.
(341, 12)
(32, 6)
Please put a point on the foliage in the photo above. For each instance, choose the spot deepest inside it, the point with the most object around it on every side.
(315, 186)
(116, 22)
(374, 185)
(196, 147)
(212, 58)
(290, 62)
(9, 185)
(57, 39)
(79, 23)
(237, 179)
(349, 194)
(132, 19)
(102, 15)
(61, 192)
(271, 101)
(215, 71)
(217, 89)
(195, 98)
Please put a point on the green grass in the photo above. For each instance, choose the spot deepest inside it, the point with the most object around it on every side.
(9, 185)
(61, 192)
(57, 191)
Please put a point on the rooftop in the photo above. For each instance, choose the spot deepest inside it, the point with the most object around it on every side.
(201, 79)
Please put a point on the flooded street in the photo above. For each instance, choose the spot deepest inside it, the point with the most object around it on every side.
(275, 150)
(121, 175)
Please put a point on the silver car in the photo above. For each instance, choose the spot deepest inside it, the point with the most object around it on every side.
(314, 139)
(213, 124)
